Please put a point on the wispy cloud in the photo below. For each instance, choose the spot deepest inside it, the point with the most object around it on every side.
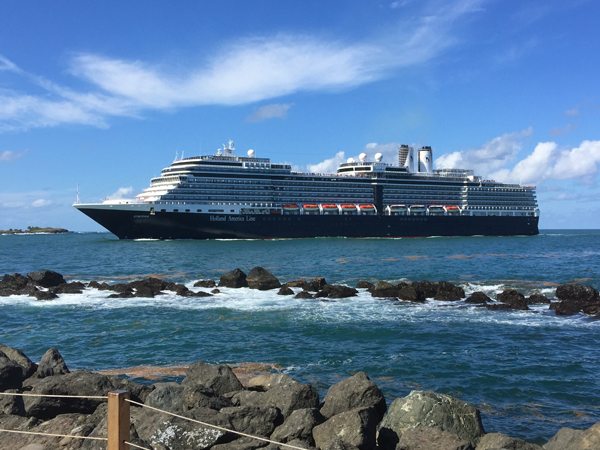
(559, 131)
(241, 72)
(270, 112)
(490, 156)
(10, 156)
(121, 193)
(573, 112)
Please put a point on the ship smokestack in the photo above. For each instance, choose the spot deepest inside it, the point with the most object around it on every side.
(406, 158)
(425, 160)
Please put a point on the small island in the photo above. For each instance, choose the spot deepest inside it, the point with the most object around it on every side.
(36, 230)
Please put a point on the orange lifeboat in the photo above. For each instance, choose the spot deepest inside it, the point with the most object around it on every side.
(330, 209)
(291, 207)
(367, 209)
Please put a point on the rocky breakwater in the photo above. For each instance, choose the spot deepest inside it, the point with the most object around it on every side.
(272, 406)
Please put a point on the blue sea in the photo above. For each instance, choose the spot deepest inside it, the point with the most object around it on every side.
(530, 372)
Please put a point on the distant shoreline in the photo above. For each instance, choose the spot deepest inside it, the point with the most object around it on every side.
(36, 230)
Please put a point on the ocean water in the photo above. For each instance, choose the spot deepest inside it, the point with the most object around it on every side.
(530, 372)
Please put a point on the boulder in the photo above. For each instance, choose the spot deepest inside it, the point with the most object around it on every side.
(299, 426)
(262, 279)
(565, 308)
(285, 291)
(577, 293)
(244, 443)
(76, 287)
(266, 381)
(205, 283)
(247, 398)
(316, 284)
(303, 294)
(292, 396)
(357, 391)
(196, 396)
(12, 404)
(137, 392)
(14, 282)
(477, 298)
(52, 363)
(494, 441)
(339, 291)
(537, 299)
(11, 374)
(357, 427)
(46, 278)
(166, 396)
(253, 420)
(234, 279)
(411, 294)
(570, 439)
(43, 295)
(21, 359)
(78, 383)
(219, 378)
(384, 289)
(429, 288)
(511, 296)
(498, 306)
(430, 409)
(448, 292)
(365, 285)
(301, 283)
(426, 438)
(215, 291)
(592, 310)
(180, 434)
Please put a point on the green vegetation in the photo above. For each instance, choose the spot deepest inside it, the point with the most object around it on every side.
(35, 230)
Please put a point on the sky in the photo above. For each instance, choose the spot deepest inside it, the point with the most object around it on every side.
(101, 96)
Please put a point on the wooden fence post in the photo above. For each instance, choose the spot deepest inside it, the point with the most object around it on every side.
(118, 420)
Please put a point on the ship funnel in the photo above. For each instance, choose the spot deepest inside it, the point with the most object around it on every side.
(425, 160)
(406, 158)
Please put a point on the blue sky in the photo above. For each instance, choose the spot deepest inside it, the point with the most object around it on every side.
(105, 94)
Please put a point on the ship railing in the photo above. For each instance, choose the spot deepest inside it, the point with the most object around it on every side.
(119, 422)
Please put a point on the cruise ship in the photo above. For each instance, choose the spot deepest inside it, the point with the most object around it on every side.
(225, 196)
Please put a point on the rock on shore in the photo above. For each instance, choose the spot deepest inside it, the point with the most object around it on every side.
(272, 406)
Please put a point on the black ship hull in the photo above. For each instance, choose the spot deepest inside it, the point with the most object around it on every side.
(132, 224)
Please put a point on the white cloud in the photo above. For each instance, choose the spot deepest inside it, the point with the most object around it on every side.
(573, 112)
(10, 156)
(41, 203)
(269, 112)
(490, 156)
(548, 161)
(121, 193)
(328, 166)
(558, 131)
(241, 72)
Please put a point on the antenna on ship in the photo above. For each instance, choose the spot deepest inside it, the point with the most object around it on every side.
(77, 201)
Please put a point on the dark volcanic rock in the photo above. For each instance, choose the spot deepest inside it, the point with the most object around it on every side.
(498, 306)
(357, 427)
(234, 279)
(509, 296)
(448, 292)
(78, 383)
(14, 282)
(219, 378)
(11, 404)
(75, 287)
(411, 294)
(289, 397)
(432, 410)
(592, 310)
(494, 441)
(316, 284)
(574, 298)
(357, 391)
(52, 363)
(384, 289)
(478, 297)
(365, 285)
(303, 294)
(570, 439)
(426, 438)
(285, 291)
(299, 425)
(11, 373)
(46, 278)
(215, 291)
(257, 421)
(301, 283)
(195, 396)
(21, 359)
(205, 283)
(565, 308)
(44, 295)
(262, 279)
(338, 291)
(266, 381)
(429, 288)
(537, 299)
(166, 396)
